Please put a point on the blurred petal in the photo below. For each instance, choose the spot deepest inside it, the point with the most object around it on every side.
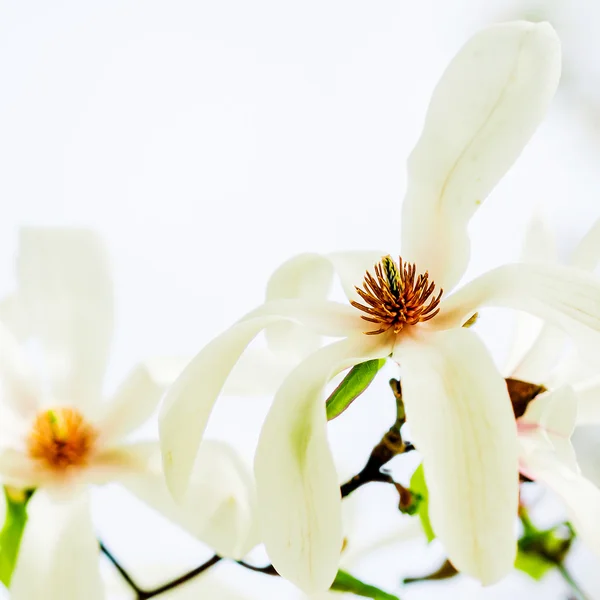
(536, 364)
(552, 416)
(298, 489)
(587, 253)
(566, 297)
(189, 401)
(119, 461)
(588, 401)
(58, 558)
(484, 110)
(14, 317)
(18, 470)
(17, 380)
(219, 507)
(462, 422)
(581, 497)
(133, 403)
(66, 288)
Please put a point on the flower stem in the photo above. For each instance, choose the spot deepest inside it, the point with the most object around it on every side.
(566, 575)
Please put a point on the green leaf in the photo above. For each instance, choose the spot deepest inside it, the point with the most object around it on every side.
(344, 582)
(418, 486)
(533, 564)
(12, 532)
(353, 385)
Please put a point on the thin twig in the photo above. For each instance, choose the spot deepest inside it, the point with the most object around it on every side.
(142, 594)
(566, 575)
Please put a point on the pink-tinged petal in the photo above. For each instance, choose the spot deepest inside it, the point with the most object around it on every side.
(487, 105)
(58, 558)
(461, 420)
(219, 507)
(66, 290)
(565, 297)
(298, 490)
(189, 401)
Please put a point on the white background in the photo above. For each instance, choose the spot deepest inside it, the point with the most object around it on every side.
(210, 140)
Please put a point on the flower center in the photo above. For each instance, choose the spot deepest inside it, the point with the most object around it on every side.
(396, 296)
(61, 438)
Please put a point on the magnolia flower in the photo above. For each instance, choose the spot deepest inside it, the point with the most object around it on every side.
(547, 419)
(483, 111)
(58, 435)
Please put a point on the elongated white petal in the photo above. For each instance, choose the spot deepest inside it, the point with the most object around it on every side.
(566, 297)
(298, 490)
(587, 253)
(189, 401)
(58, 558)
(65, 285)
(18, 470)
(17, 379)
(461, 420)
(484, 110)
(588, 401)
(133, 404)
(351, 268)
(219, 507)
(581, 497)
(113, 463)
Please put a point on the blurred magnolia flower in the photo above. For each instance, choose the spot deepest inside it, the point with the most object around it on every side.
(483, 112)
(547, 419)
(58, 435)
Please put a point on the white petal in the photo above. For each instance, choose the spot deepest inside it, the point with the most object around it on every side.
(58, 558)
(297, 483)
(219, 507)
(536, 364)
(65, 285)
(17, 380)
(566, 297)
(553, 415)
(132, 405)
(587, 253)
(581, 497)
(484, 110)
(588, 401)
(18, 470)
(189, 401)
(112, 464)
(461, 420)
(14, 317)
(352, 266)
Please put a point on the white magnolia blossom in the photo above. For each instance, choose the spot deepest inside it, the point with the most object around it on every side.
(483, 112)
(58, 435)
(573, 396)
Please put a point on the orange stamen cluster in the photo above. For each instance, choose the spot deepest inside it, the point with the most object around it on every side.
(61, 438)
(396, 297)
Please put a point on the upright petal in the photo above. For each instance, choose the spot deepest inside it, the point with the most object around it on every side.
(66, 289)
(189, 401)
(566, 297)
(461, 420)
(219, 507)
(58, 558)
(298, 490)
(133, 403)
(484, 110)
(588, 401)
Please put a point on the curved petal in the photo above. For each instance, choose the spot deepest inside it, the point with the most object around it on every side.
(581, 497)
(66, 289)
(189, 401)
(58, 558)
(461, 420)
(219, 507)
(566, 297)
(588, 401)
(133, 403)
(484, 110)
(352, 266)
(298, 490)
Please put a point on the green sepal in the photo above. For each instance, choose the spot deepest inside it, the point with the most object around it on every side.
(12, 532)
(352, 386)
(418, 487)
(344, 582)
(533, 564)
